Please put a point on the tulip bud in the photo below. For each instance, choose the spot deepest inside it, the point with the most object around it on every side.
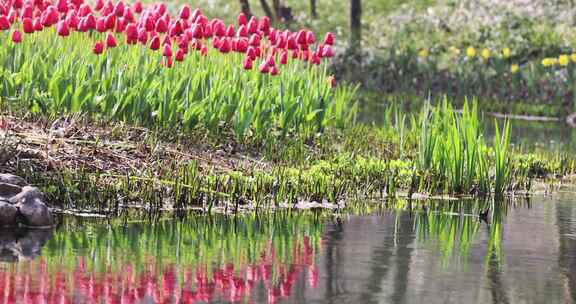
(98, 48)
(327, 51)
(137, 6)
(185, 12)
(247, 63)
(274, 71)
(204, 50)
(155, 43)
(62, 29)
(284, 57)
(242, 19)
(180, 55)
(167, 50)
(142, 35)
(27, 26)
(329, 39)
(110, 41)
(264, 68)
(16, 37)
(4, 23)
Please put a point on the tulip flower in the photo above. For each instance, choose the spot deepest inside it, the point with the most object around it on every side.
(37, 25)
(4, 23)
(110, 41)
(142, 35)
(185, 12)
(274, 71)
(98, 48)
(284, 57)
(310, 38)
(137, 6)
(167, 50)
(16, 36)
(28, 26)
(131, 34)
(252, 25)
(242, 20)
(225, 45)
(155, 43)
(62, 29)
(329, 39)
(264, 68)
(247, 63)
(327, 51)
(180, 55)
(161, 26)
(204, 50)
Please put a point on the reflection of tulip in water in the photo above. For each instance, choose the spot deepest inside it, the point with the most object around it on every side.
(40, 281)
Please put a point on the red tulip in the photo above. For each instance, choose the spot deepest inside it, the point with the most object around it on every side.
(167, 62)
(247, 63)
(27, 12)
(127, 15)
(185, 12)
(310, 37)
(62, 6)
(27, 26)
(274, 71)
(101, 24)
(242, 19)
(137, 6)
(332, 81)
(327, 51)
(252, 25)
(301, 37)
(265, 24)
(204, 50)
(264, 68)
(119, 9)
(37, 25)
(167, 50)
(161, 26)
(242, 31)
(4, 23)
(110, 21)
(155, 43)
(110, 41)
(72, 20)
(251, 53)
(255, 40)
(16, 36)
(99, 5)
(98, 48)
(180, 55)
(230, 31)
(241, 45)
(225, 45)
(62, 29)
(329, 39)
(142, 35)
(284, 57)
(131, 34)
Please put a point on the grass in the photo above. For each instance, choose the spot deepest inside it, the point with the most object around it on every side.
(110, 169)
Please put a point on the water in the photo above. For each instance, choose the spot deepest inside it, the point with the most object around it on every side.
(524, 253)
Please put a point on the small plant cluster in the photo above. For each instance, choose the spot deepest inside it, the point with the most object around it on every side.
(46, 66)
(453, 147)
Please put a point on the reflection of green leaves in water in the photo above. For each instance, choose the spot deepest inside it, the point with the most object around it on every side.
(453, 226)
(214, 240)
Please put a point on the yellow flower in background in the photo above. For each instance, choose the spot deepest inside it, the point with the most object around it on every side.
(547, 62)
(514, 68)
(470, 52)
(423, 53)
(454, 51)
(573, 58)
(563, 60)
(506, 52)
(485, 53)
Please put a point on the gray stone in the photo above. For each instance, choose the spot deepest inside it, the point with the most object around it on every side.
(8, 214)
(12, 179)
(9, 190)
(34, 212)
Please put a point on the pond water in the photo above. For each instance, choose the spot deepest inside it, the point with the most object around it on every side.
(525, 252)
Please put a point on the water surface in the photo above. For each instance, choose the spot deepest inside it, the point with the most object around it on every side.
(402, 253)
